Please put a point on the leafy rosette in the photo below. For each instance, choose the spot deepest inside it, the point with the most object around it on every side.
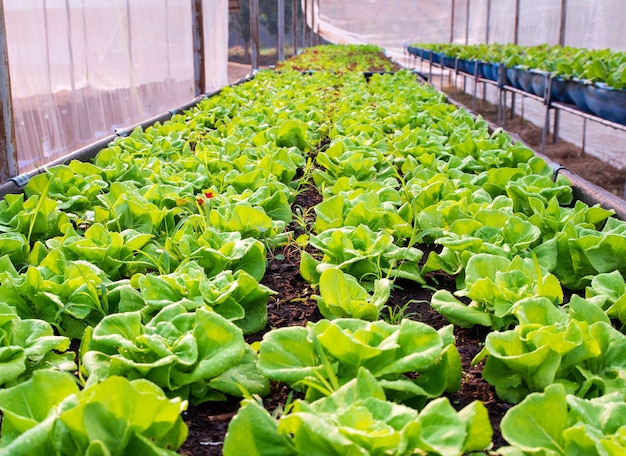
(322, 356)
(66, 294)
(341, 296)
(218, 251)
(36, 217)
(197, 355)
(236, 296)
(49, 415)
(580, 350)
(117, 254)
(27, 345)
(357, 419)
(584, 253)
(495, 284)
(556, 423)
(608, 291)
(362, 253)
(379, 210)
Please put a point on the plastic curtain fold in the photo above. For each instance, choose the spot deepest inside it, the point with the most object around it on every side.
(80, 69)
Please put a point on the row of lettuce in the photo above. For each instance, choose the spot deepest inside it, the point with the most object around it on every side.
(513, 238)
(151, 256)
(593, 80)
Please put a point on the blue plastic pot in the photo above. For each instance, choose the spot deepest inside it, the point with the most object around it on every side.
(489, 70)
(470, 66)
(606, 102)
(559, 92)
(525, 80)
(538, 82)
(448, 61)
(512, 77)
(575, 89)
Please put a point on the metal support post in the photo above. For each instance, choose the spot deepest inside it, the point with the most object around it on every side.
(254, 33)
(198, 47)
(8, 150)
(281, 30)
(294, 25)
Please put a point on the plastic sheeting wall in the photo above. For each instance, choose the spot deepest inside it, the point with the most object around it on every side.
(390, 24)
(82, 68)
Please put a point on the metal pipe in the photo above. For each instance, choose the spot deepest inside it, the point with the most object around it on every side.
(73, 110)
(451, 21)
(197, 24)
(316, 15)
(281, 30)
(8, 150)
(563, 22)
(305, 25)
(294, 25)
(254, 33)
(516, 26)
(467, 15)
(487, 25)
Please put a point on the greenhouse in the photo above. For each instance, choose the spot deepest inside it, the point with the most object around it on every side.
(312, 227)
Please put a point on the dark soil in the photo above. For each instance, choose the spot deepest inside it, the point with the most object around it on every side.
(293, 305)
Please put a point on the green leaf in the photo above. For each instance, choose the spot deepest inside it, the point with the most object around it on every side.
(538, 422)
(255, 433)
(458, 313)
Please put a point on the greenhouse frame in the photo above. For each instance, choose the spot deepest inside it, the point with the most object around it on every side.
(295, 227)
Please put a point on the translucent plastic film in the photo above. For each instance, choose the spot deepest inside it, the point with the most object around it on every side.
(82, 68)
(390, 24)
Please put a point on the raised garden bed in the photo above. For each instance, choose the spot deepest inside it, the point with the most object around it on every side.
(305, 241)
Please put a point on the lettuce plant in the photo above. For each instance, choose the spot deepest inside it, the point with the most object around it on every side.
(362, 253)
(608, 291)
(556, 423)
(381, 210)
(49, 415)
(322, 356)
(197, 355)
(581, 351)
(586, 252)
(235, 295)
(216, 251)
(341, 296)
(27, 345)
(494, 284)
(357, 419)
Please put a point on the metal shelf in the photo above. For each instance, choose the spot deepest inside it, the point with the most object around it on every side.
(503, 88)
